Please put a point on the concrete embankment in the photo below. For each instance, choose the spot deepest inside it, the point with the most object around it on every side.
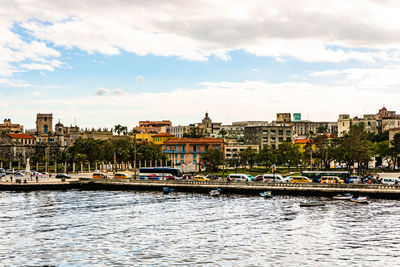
(373, 191)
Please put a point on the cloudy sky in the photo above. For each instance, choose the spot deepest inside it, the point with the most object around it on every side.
(107, 62)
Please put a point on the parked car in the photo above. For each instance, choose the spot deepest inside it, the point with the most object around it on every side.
(389, 181)
(272, 178)
(259, 178)
(99, 175)
(200, 178)
(354, 179)
(212, 177)
(287, 179)
(301, 179)
(169, 177)
(9, 171)
(251, 177)
(186, 177)
(62, 176)
(331, 180)
(19, 175)
(239, 177)
(121, 176)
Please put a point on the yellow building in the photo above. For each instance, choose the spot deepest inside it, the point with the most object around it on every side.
(160, 138)
(140, 137)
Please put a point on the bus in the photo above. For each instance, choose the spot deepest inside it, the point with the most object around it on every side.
(315, 176)
(159, 173)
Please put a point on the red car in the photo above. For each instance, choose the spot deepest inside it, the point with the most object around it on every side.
(258, 178)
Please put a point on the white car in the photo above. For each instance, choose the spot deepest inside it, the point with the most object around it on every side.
(239, 177)
(272, 178)
(389, 181)
(287, 179)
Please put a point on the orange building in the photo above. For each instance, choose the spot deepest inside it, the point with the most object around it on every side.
(189, 150)
(153, 127)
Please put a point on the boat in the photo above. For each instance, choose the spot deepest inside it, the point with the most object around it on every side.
(363, 200)
(311, 204)
(167, 190)
(215, 192)
(343, 197)
(266, 194)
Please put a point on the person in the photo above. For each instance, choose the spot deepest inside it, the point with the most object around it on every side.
(11, 178)
(37, 178)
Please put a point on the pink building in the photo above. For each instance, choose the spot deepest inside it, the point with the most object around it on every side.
(189, 150)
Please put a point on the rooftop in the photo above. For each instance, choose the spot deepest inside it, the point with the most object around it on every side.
(20, 136)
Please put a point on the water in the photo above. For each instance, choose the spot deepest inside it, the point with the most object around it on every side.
(100, 228)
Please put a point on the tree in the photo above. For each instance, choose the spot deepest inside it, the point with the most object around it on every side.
(288, 154)
(195, 132)
(212, 158)
(118, 129)
(324, 150)
(223, 133)
(234, 161)
(266, 156)
(395, 149)
(248, 157)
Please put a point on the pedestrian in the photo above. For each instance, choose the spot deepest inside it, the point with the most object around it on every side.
(11, 178)
(37, 178)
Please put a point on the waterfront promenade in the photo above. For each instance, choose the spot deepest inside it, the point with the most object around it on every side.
(83, 183)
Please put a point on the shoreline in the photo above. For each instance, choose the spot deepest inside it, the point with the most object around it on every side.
(328, 190)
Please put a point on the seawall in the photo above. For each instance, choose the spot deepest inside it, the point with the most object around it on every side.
(373, 191)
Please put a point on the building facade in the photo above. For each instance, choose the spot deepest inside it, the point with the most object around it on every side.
(209, 126)
(272, 135)
(189, 150)
(233, 149)
(8, 127)
(153, 127)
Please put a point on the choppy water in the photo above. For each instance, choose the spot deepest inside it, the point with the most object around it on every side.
(100, 228)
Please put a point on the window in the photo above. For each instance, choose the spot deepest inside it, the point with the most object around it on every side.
(280, 132)
(182, 161)
(182, 156)
(288, 133)
(45, 129)
(280, 139)
(194, 156)
(194, 162)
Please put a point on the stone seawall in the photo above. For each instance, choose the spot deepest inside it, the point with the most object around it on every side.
(373, 191)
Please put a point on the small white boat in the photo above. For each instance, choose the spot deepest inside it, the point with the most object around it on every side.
(215, 192)
(363, 200)
(266, 194)
(343, 197)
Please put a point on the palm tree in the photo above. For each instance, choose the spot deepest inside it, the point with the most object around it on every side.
(118, 129)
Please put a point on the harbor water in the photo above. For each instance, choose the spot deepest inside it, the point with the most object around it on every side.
(102, 228)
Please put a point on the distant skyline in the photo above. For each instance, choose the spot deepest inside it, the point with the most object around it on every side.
(105, 64)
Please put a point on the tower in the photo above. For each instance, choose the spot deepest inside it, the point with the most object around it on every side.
(44, 123)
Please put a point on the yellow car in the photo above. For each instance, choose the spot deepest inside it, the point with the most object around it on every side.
(331, 180)
(200, 178)
(300, 179)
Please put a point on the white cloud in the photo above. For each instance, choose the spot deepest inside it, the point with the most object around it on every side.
(103, 91)
(36, 93)
(140, 79)
(13, 83)
(198, 29)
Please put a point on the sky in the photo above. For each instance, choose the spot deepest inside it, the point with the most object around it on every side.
(102, 63)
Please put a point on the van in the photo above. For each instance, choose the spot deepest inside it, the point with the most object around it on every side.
(389, 181)
(272, 178)
(239, 177)
(99, 175)
(300, 179)
(121, 176)
(331, 180)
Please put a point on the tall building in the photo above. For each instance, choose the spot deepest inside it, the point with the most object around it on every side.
(272, 135)
(44, 123)
(209, 126)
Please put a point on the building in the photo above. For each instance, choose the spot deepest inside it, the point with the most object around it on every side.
(160, 138)
(144, 138)
(44, 124)
(153, 127)
(383, 121)
(250, 123)
(209, 126)
(272, 135)
(305, 127)
(284, 118)
(232, 149)
(18, 138)
(179, 131)
(189, 150)
(8, 127)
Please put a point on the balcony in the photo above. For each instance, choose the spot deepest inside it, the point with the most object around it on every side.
(196, 151)
(171, 151)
